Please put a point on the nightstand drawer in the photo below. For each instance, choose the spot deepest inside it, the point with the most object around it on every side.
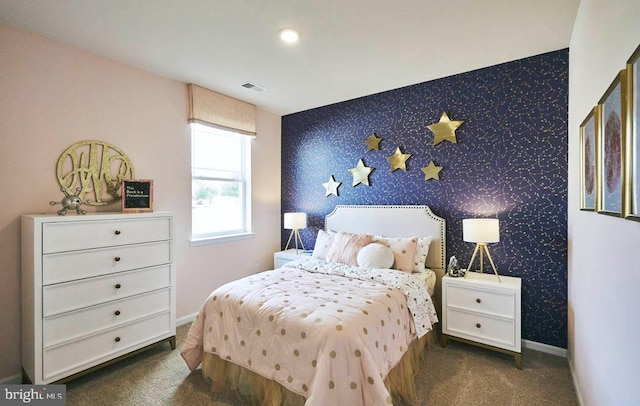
(485, 329)
(480, 300)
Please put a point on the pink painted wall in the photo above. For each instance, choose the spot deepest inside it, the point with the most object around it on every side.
(52, 96)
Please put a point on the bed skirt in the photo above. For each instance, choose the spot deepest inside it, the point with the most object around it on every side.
(247, 385)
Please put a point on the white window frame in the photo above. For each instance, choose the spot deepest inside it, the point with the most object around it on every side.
(244, 179)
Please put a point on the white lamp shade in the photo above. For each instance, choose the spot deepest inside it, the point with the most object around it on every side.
(481, 230)
(295, 221)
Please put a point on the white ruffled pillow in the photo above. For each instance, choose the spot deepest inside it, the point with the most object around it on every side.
(376, 256)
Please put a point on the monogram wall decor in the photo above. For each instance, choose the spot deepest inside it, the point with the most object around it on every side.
(95, 169)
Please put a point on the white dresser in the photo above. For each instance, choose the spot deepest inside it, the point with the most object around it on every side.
(479, 310)
(94, 288)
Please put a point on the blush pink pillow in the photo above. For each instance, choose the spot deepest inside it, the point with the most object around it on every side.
(403, 251)
(346, 246)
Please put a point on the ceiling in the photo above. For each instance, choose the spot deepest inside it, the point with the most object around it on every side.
(347, 48)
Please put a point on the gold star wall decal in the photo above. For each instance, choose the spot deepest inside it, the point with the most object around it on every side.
(373, 142)
(360, 174)
(398, 160)
(331, 186)
(432, 171)
(444, 130)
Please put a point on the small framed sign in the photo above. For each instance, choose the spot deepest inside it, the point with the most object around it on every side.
(137, 196)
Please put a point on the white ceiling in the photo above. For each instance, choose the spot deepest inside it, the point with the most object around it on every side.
(347, 48)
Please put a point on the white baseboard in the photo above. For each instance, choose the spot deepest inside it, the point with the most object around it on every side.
(11, 380)
(549, 349)
(576, 384)
(186, 319)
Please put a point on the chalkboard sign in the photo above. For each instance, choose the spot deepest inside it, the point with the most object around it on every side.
(137, 196)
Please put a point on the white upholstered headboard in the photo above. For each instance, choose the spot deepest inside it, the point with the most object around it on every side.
(394, 221)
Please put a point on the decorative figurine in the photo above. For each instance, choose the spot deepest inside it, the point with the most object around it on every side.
(454, 269)
(69, 202)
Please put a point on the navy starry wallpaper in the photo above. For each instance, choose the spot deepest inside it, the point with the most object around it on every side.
(509, 162)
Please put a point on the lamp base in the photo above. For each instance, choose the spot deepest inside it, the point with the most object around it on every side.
(295, 234)
(483, 248)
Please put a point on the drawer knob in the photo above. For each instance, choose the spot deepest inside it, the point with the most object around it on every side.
(117, 340)
(118, 286)
(478, 325)
(117, 232)
(117, 313)
(478, 300)
(117, 259)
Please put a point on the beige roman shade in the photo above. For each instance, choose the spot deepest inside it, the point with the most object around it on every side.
(217, 110)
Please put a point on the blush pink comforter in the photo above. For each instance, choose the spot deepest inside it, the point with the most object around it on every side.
(326, 331)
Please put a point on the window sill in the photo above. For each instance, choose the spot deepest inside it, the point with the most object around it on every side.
(195, 242)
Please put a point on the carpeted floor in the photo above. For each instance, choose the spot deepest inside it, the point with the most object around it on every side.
(457, 375)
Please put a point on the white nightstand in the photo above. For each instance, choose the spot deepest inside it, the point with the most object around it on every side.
(282, 257)
(479, 310)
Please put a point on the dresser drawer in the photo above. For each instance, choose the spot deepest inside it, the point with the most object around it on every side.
(481, 328)
(72, 325)
(481, 300)
(88, 292)
(71, 236)
(64, 360)
(72, 265)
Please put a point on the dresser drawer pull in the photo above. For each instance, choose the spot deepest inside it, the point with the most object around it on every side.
(117, 232)
(117, 340)
(478, 300)
(117, 313)
(117, 259)
(118, 286)
(478, 325)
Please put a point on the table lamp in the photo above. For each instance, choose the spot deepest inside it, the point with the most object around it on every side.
(294, 222)
(482, 232)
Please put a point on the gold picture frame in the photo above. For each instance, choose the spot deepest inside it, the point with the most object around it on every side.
(588, 161)
(631, 185)
(611, 112)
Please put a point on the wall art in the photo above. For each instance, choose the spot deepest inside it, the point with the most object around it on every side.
(611, 114)
(632, 163)
(588, 172)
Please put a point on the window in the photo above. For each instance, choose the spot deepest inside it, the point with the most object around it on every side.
(220, 184)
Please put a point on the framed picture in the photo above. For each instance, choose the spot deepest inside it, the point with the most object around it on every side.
(588, 185)
(610, 156)
(137, 196)
(631, 185)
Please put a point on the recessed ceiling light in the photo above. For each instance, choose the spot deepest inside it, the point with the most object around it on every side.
(288, 35)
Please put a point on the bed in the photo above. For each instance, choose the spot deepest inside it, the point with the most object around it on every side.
(319, 331)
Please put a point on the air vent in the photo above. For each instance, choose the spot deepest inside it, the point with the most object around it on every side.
(251, 86)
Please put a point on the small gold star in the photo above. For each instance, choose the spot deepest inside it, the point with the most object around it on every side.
(398, 160)
(432, 171)
(444, 130)
(331, 186)
(360, 174)
(373, 142)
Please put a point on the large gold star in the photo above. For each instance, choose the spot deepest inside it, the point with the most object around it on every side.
(360, 174)
(432, 171)
(398, 160)
(444, 130)
(373, 142)
(331, 186)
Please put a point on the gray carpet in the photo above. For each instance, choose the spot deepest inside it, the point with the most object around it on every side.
(457, 375)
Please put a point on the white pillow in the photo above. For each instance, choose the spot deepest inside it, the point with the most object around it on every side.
(323, 244)
(376, 256)
(420, 257)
